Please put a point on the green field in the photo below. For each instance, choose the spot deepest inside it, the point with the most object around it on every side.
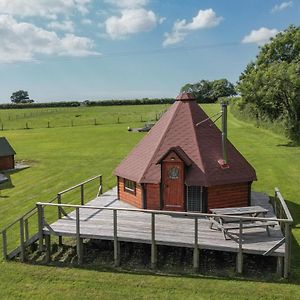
(65, 155)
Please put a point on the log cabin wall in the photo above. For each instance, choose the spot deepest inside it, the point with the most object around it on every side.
(153, 196)
(133, 198)
(229, 195)
(7, 162)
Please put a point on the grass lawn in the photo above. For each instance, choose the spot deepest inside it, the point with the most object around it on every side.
(63, 156)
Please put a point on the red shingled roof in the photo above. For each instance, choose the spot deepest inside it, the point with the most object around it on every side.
(201, 144)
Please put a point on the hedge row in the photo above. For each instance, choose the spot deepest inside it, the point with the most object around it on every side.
(88, 103)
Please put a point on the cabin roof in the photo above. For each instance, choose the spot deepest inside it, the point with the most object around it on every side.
(201, 144)
(5, 148)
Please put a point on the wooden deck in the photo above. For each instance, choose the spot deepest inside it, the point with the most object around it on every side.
(135, 226)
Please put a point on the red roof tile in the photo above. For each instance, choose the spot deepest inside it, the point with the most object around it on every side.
(202, 144)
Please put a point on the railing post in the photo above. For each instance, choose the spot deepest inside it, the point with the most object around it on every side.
(196, 249)
(4, 244)
(239, 258)
(22, 244)
(100, 188)
(40, 210)
(287, 254)
(59, 215)
(79, 244)
(116, 242)
(48, 247)
(82, 194)
(26, 227)
(153, 243)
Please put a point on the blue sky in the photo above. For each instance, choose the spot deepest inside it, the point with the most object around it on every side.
(111, 49)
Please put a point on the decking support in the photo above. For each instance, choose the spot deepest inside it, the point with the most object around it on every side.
(239, 257)
(59, 215)
(79, 240)
(82, 194)
(287, 254)
(40, 210)
(48, 247)
(196, 248)
(26, 227)
(279, 267)
(4, 244)
(22, 242)
(153, 243)
(116, 242)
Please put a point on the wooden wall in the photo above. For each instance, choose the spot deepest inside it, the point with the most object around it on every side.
(134, 199)
(229, 195)
(7, 162)
(153, 196)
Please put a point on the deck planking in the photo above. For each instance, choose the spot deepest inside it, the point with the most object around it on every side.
(169, 230)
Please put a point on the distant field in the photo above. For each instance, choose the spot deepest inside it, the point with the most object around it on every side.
(77, 116)
(65, 155)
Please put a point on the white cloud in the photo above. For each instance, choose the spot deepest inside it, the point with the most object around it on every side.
(259, 36)
(131, 21)
(86, 22)
(63, 26)
(128, 3)
(205, 19)
(24, 41)
(282, 6)
(42, 8)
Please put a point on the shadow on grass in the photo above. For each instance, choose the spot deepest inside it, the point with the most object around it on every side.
(289, 144)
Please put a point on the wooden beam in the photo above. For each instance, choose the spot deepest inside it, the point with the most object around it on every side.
(26, 227)
(59, 216)
(279, 268)
(116, 242)
(196, 249)
(153, 243)
(82, 194)
(239, 258)
(40, 210)
(4, 244)
(22, 242)
(79, 240)
(287, 254)
(48, 247)
(101, 184)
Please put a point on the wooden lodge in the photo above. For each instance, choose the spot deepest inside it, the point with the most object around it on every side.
(7, 155)
(179, 165)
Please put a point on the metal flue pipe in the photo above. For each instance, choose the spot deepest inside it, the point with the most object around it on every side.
(224, 131)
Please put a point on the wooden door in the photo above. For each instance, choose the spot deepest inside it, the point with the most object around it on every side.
(173, 185)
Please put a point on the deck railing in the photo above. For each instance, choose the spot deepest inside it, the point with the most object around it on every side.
(286, 221)
(24, 222)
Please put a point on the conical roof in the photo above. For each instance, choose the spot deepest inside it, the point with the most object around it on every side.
(201, 144)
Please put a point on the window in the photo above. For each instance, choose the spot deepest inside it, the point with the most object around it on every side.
(194, 198)
(173, 173)
(129, 186)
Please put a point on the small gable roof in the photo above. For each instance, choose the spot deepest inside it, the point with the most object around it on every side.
(181, 154)
(202, 145)
(5, 148)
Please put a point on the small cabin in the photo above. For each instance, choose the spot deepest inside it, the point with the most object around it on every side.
(179, 165)
(7, 155)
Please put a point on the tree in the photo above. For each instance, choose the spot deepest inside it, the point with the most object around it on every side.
(272, 82)
(20, 97)
(207, 91)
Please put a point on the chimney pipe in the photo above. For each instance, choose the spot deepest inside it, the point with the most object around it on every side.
(224, 131)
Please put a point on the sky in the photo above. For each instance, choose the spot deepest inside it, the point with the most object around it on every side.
(61, 50)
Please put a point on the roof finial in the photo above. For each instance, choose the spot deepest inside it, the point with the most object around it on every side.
(186, 96)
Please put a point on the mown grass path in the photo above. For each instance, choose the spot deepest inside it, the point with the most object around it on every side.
(61, 157)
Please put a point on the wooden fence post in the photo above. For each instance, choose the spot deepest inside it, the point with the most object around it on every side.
(48, 247)
(59, 215)
(116, 242)
(41, 225)
(22, 243)
(287, 254)
(82, 194)
(153, 243)
(4, 244)
(101, 188)
(196, 249)
(239, 258)
(26, 227)
(79, 242)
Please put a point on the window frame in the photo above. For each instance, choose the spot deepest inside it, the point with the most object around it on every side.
(128, 189)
